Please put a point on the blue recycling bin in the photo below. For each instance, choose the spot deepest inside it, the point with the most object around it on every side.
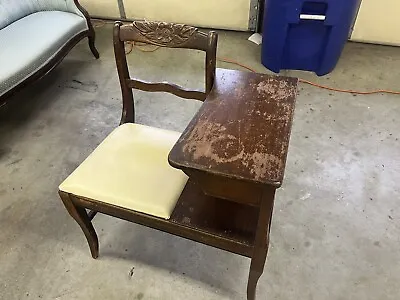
(306, 35)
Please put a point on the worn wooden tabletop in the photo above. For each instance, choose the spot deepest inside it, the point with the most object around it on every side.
(242, 129)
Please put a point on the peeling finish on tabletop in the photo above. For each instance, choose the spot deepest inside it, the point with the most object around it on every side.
(243, 128)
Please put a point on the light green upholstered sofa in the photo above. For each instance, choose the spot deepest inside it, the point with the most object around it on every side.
(35, 35)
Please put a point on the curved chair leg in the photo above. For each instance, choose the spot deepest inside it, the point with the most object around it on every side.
(261, 242)
(92, 46)
(256, 270)
(82, 218)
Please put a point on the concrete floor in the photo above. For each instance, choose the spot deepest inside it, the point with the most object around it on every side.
(336, 226)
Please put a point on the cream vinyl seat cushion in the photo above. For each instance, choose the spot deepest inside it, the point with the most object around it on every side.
(130, 169)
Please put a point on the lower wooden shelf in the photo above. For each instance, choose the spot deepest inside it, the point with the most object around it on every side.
(218, 217)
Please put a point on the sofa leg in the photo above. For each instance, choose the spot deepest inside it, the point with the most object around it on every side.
(92, 46)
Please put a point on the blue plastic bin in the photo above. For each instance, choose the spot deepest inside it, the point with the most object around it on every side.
(306, 35)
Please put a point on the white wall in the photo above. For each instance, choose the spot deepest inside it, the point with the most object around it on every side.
(102, 8)
(226, 14)
(378, 22)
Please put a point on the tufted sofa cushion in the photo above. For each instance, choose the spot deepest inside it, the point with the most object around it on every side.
(13, 10)
(29, 43)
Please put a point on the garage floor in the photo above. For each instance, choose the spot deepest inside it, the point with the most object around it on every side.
(336, 226)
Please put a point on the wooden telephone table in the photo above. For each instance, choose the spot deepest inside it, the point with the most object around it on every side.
(233, 151)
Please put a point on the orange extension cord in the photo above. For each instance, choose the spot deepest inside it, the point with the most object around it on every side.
(227, 60)
(349, 91)
(230, 61)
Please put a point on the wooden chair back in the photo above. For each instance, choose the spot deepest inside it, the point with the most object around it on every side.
(168, 35)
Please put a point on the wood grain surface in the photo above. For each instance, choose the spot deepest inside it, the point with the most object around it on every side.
(242, 130)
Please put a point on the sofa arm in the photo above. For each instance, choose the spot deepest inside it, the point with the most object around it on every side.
(13, 10)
